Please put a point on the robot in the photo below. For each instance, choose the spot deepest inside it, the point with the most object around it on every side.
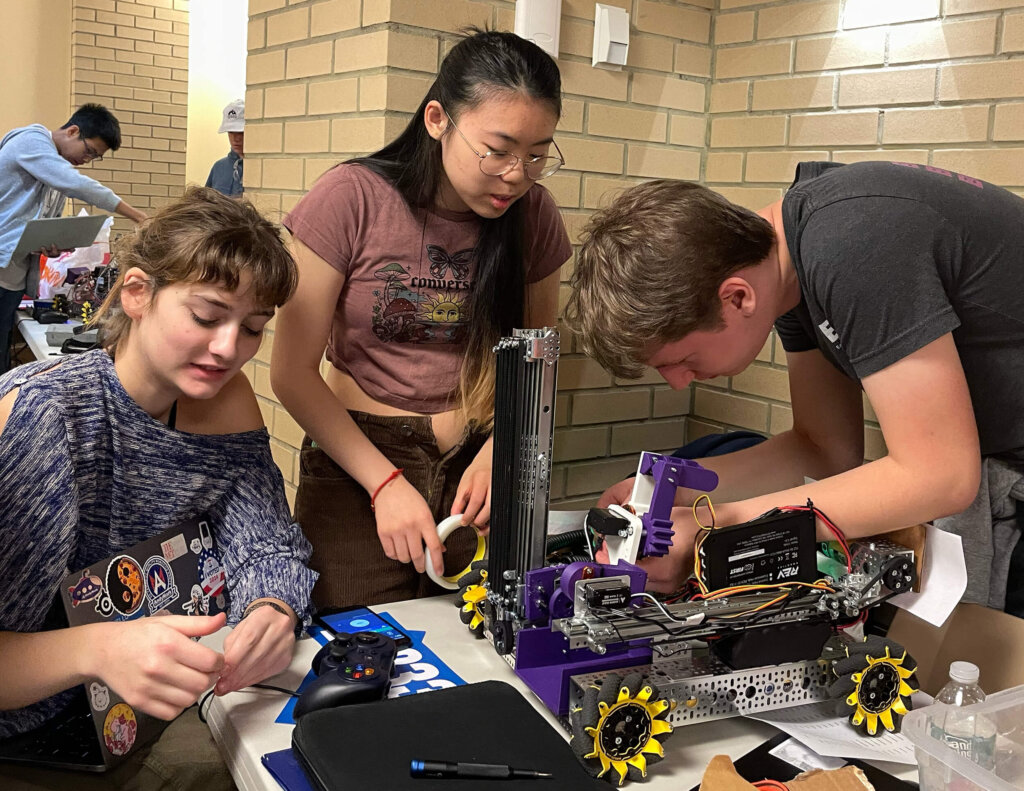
(622, 668)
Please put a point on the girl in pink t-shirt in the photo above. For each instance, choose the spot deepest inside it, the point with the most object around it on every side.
(413, 261)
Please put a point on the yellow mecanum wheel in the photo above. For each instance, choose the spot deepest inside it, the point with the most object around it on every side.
(874, 684)
(472, 594)
(618, 731)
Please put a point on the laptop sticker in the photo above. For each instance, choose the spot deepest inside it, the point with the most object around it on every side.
(160, 588)
(198, 602)
(99, 696)
(211, 570)
(86, 589)
(120, 729)
(173, 548)
(124, 585)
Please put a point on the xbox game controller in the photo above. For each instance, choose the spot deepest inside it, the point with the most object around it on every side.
(352, 668)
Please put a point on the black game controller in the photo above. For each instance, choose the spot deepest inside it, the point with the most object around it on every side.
(352, 668)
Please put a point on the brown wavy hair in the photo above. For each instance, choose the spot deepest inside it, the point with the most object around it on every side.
(203, 237)
(649, 269)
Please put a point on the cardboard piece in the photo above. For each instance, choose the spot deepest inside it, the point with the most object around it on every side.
(721, 775)
(991, 639)
(849, 778)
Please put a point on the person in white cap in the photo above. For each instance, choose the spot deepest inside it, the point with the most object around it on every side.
(226, 174)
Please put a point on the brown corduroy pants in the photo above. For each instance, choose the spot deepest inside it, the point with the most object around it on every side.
(334, 512)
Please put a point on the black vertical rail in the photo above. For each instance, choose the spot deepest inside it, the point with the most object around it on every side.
(504, 470)
(525, 371)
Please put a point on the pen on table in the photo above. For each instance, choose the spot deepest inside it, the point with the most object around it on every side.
(448, 769)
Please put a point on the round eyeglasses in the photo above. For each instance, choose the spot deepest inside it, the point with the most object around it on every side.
(498, 163)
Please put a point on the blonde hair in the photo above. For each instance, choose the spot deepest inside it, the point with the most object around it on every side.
(203, 237)
(649, 269)
(476, 389)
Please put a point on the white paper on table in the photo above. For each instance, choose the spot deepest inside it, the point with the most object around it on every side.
(804, 758)
(818, 727)
(943, 579)
(565, 521)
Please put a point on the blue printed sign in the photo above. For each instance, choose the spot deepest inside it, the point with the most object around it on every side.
(419, 670)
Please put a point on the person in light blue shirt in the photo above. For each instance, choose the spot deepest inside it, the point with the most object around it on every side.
(37, 174)
(226, 173)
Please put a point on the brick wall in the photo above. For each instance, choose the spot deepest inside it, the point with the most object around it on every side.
(132, 57)
(733, 92)
(328, 79)
(938, 82)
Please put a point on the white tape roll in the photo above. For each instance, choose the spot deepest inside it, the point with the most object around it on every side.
(444, 529)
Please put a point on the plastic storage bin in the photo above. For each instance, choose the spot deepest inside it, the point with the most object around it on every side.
(943, 768)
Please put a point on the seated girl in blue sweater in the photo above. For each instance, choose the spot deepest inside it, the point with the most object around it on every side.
(106, 449)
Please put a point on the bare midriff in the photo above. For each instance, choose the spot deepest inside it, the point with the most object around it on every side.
(449, 427)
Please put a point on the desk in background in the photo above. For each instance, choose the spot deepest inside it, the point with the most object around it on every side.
(243, 722)
(34, 335)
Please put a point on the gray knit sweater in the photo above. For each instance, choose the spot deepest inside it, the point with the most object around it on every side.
(85, 473)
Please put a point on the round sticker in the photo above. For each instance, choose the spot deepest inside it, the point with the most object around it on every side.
(120, 729)
(124, 584)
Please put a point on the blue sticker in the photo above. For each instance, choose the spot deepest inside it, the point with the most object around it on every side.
(419, 670)
(86, 589)
(160, 588)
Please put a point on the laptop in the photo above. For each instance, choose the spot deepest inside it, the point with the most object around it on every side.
(64, 233)
(177, 572)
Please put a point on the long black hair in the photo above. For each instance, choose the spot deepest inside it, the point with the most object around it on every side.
(484, 64)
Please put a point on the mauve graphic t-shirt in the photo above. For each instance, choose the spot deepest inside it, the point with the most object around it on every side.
(400, 325)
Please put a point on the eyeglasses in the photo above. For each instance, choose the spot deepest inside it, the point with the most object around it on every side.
(92, 155)
(498, 163)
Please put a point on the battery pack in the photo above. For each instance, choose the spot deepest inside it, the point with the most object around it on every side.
(780, 547)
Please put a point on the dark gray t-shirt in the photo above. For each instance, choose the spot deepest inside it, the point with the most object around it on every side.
(890, 257)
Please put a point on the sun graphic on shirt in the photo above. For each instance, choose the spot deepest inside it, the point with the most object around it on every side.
(444, 308)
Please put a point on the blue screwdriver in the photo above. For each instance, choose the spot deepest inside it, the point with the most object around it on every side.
(480, 771)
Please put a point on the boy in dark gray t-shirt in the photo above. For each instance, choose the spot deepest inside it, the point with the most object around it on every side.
(892, 256)
(900, 279)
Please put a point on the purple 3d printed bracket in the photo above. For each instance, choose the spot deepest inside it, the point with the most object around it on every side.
(669, 474)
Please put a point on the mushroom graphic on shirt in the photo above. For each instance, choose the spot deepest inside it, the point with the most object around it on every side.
(389, 310)
(397, 315)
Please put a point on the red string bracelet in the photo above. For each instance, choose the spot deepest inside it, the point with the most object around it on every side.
(373, 498)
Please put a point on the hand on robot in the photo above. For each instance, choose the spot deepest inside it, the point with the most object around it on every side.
(405, 523)
(666, 574)
(617, 494)
(473, 497)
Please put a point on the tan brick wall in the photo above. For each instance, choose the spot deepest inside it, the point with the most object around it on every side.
(913, 80)
(132, 57)
(329, 79)
(732, 92)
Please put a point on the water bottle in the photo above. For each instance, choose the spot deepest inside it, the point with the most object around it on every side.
(971, 735)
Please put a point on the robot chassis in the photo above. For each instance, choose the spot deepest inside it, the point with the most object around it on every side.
(604, 656)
